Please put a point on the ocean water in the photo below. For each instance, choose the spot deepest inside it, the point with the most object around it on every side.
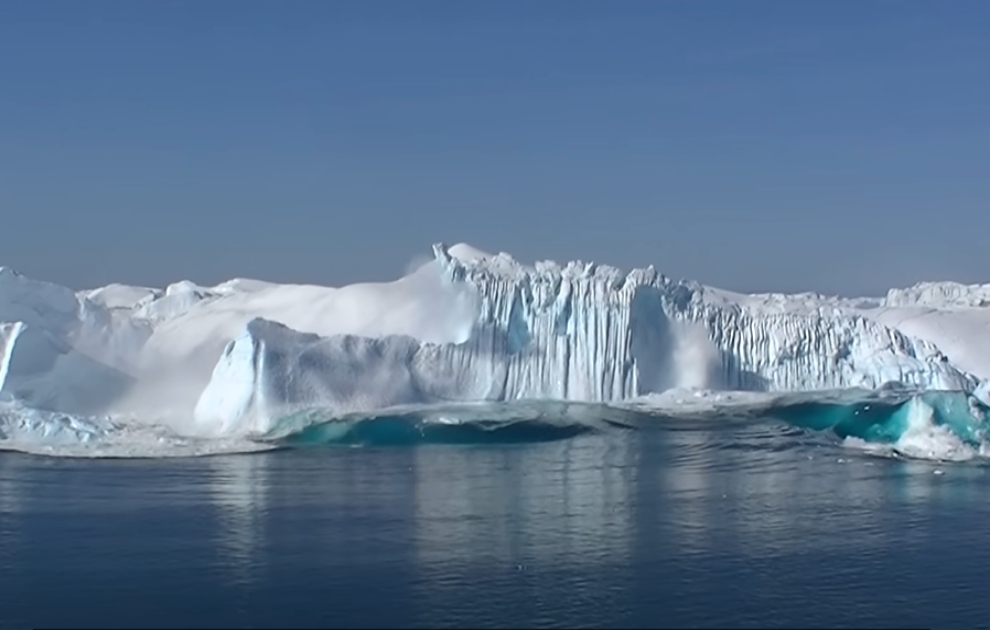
(748, 523)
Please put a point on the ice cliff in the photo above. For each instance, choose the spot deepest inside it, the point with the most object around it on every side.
(581, 332)
(56, 351)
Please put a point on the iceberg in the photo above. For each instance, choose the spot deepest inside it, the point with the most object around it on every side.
(56, 352)
(42, 371)
(463, 327)
(578, 332)
(950, 315)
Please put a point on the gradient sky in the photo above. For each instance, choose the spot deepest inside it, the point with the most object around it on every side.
(834, 146)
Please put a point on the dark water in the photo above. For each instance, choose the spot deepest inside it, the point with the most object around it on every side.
(729, 524)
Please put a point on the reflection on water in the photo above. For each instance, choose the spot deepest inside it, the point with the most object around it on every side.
(685, 479)
(10, 486)
(538, 503)
(239, 488)
(446, 493)
(519, 517)
(736, 525)
(10, 517)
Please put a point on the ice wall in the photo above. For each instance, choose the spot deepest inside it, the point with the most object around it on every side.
(41, 371)
(595, 310)
(60, 351)
(577, 332)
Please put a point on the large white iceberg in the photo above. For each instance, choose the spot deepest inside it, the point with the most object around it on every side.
(581, 332)
(465, 326)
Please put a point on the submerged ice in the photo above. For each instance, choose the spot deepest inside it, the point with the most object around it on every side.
(233, 359)
(949, 426)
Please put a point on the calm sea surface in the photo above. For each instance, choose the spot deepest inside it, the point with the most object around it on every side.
(733, 524)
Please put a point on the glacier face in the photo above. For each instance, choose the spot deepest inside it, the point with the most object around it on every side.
(607, 314)
(580, 332)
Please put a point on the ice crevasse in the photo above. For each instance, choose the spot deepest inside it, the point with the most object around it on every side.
(580, 332)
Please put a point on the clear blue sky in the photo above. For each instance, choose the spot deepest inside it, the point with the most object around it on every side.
(837, 146)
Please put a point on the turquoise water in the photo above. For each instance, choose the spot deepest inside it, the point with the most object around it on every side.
(406, 430)
(887, 421)
(933, 422)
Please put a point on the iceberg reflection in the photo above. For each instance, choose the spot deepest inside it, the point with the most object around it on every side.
(238, 487)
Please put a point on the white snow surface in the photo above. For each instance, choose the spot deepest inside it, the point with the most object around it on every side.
(466, 325)
(119, 296)
(940, 295)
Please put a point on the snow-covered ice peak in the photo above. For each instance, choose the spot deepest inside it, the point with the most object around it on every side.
(119, 296)
(467, 253)
(184, 286)
(177, 299)
(503, 267)
(37, 303)
(241, 285)
(940, 295)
